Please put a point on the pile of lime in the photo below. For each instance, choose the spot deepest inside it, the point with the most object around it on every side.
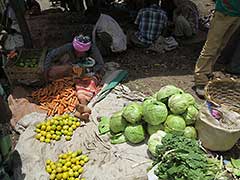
(68, 166)
(57, 126)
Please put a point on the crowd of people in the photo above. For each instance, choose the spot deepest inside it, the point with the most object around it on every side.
(176, 18)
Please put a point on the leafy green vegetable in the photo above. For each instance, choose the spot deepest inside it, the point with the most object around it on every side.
(155, 113)
(180, 158)
(133, 113)
(178, 104)
(118, 139)
(103, 126)
(190, 132)
(117, 122)
(166, 92)
(174, 124)
(134, 133)
(190, 115)
(189, 98)
(153, 129)
(155, 140)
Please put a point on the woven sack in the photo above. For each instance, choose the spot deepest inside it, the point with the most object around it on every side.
(213, 134)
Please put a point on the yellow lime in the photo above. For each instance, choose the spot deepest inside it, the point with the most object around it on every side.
(59, 127)
(64, 168)
(54, 136)
(53, 166)
(37, 130)
(59, 176)
(43, 127)
(70, 122)
(42, 139)
(59, 164)
(68, 164)
(71, 178)
(73, 160)
(78, 124)
(73, 155)
(52, 132)
(71, 173)
(76, 174)
(56, 122)
(80, 170)
(70, 129)
(57, 138)
(54, 127)
(58, 133)
(65, 127)
(48, 128)
(86, 159)
(38, 126)
(43, 133)
(78, 158)
(59, 169)
(48, 161)
(38, 136)
(65, 175)
(75, 119)
(83, 179)
(75, 168)
(48, 169)
(83, 156)
(68, 138)
(61, 123)
(48, 136)
(65, 156)
(52, 176)
(54, 171)
(65, 132)
(65, 122)
(52, 121)
(79, 152)
(70, 133)
(48, 123)
(82, 162)
(74, 126)
(47, 140)
(77, 162)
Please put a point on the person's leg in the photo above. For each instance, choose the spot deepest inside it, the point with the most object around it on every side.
(182, 27)
(134, 40)
(104, 43)
(221, 29)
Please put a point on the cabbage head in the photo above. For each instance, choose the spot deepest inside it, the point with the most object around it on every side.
(190, 98)
(155, 113)
(166, 92)
(190, 115)
(174, 124)
(190, 132)
(153, 129)
(133, 113)
(134, 133)
(117, 122)
(178, 104)
(148, 101)
(154, 140)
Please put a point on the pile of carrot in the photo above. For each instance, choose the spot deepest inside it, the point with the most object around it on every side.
(58, 97)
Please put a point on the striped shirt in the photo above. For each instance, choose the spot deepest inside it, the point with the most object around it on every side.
(151, 22)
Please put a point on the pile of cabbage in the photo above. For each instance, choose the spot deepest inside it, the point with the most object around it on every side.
(170, 110)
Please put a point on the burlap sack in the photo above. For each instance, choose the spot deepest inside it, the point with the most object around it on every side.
(20, 106)
(217, 135)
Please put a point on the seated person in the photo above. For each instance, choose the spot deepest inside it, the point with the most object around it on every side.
(151, 22)
(107, 34)
(60, 61)
(185, 19)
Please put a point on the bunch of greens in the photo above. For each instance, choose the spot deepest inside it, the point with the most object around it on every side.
(180, 158)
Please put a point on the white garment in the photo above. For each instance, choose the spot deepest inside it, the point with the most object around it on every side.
(107, 24)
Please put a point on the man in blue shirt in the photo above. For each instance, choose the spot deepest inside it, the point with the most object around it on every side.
(151, 21)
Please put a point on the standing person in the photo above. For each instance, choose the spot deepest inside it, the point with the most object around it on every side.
(59, 62)
(107, 33)
(151, 22)
(185, 19)
(225, 22)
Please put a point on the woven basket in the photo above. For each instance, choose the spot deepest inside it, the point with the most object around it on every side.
(224, 92)
(25, 75)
